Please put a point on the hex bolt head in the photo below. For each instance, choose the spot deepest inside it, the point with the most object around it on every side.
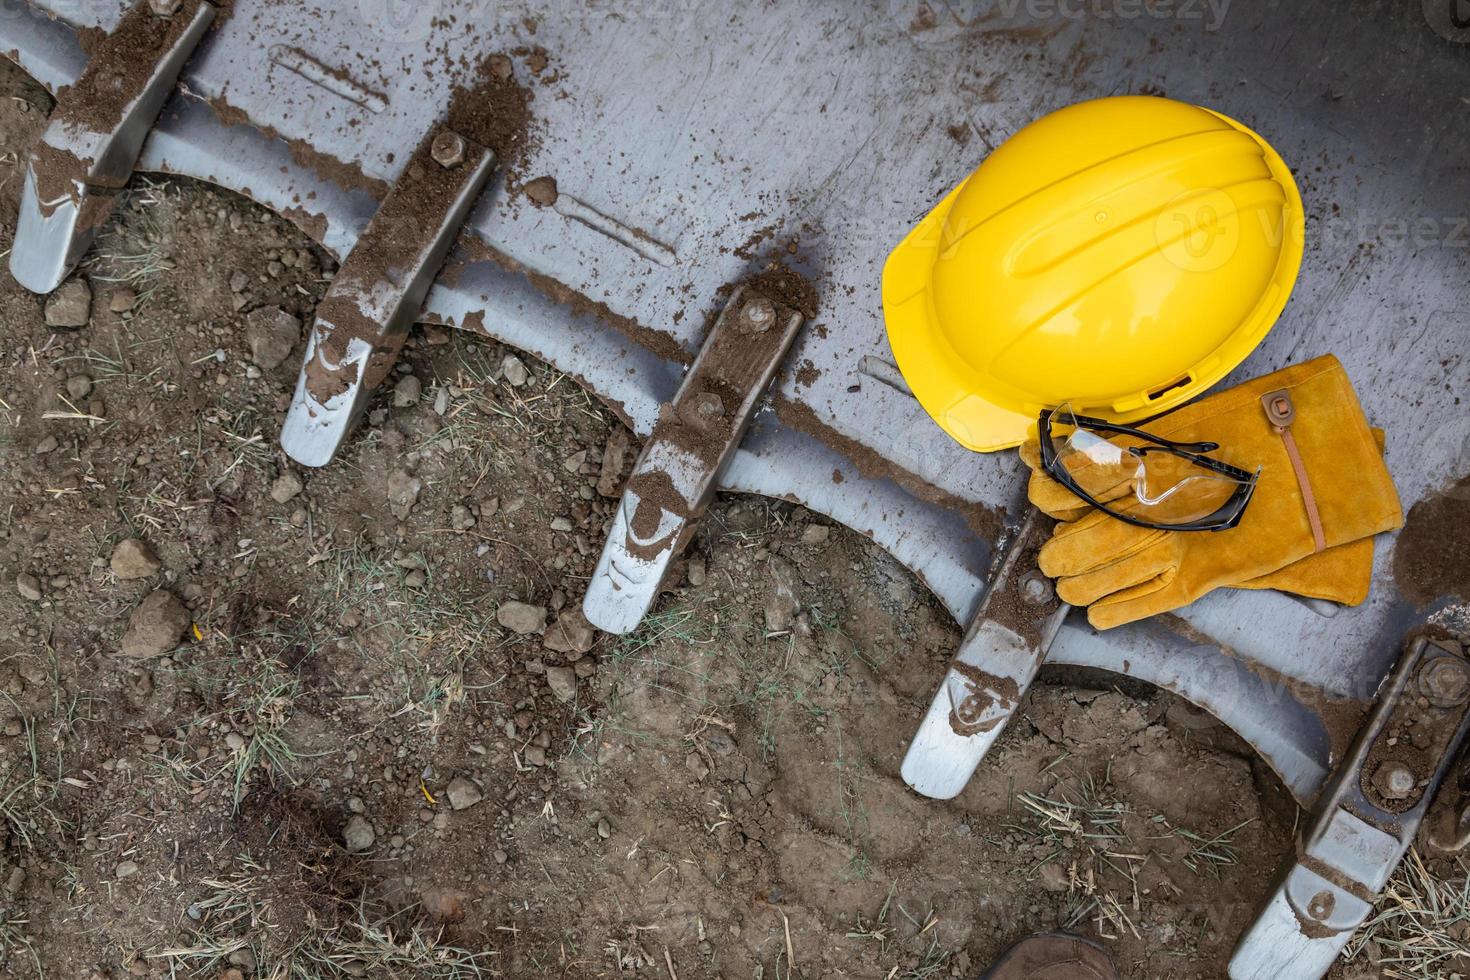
(448, 149)
(1446, 682)
(165, 8)
(759, 312)
(1036, 590)
(1394, 780)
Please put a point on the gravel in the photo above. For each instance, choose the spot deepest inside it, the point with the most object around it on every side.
(563, 683)
(272, 334)
(358, 835)
(515, 371)
(614, 462)
(521, 617)
(781, 604)
(78, 386)
(134, 559)
(403, 492)
(286, 487)
(407, 392)
(463, 793)
(28, 586)
(70, 306)
(571, 633)
(155, 626)
(461, 518)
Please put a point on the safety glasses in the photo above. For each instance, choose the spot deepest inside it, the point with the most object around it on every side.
(1142, 479)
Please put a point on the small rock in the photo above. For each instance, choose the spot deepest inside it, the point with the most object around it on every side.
(133, 559)
(535, 755)
(781, 605)
(238, 281)
(515, 371)
(123, 301)
(463, 793)
(28, 586)
(416, 579)
(563, 683)
(542, 191)
(244, 958)
(403, 493)
(70, 306)
(126, 869)
(234, 741)
(614, 461)
(13, 726)
(1054, 877)
(571, 633)
(408, 391)
(443, 904)
(49, 444)
(272, 334)
(461, 518)
(816, 534)
(521, 617)
(697, 572)
(585, 667)
(286, 487)
(604, 829)
(358, 835)
(155, 626)
(78, 386)
(695, 763)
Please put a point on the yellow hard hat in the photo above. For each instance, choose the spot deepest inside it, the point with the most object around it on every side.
(1122, 255)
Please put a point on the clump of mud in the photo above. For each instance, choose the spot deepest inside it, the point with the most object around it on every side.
(1432, 558)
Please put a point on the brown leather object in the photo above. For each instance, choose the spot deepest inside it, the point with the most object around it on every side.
(1054, 957)
(1124, 573)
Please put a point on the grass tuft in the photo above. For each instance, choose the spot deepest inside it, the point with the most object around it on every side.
(1421, 925)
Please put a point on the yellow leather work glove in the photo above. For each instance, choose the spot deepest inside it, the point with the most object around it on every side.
(1341, 574)
(1126, 573)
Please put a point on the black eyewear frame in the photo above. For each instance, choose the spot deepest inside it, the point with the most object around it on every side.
(1226, 516)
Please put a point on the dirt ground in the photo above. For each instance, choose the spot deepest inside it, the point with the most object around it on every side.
(371, 756)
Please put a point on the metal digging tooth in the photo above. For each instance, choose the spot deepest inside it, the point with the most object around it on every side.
(94, 137)
(1002, 651)
(379, 291)
(1365, 819)
(674, 478)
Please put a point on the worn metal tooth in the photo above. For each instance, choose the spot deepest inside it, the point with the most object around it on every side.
(1000, 656)
(87, 154)
(1365, 821)
(379, 292)
(675, 477)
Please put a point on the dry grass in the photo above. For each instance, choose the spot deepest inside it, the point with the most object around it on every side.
(1420, 929)
(1086, 833)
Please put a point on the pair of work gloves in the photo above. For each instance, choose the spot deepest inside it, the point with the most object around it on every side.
(1322, 494)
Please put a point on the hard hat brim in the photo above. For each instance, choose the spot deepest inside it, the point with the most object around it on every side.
(914, 336)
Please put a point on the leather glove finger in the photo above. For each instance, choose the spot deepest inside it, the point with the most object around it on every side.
(1155, 562)
(1055, 500)
(1138, 602)
(1095, 541)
